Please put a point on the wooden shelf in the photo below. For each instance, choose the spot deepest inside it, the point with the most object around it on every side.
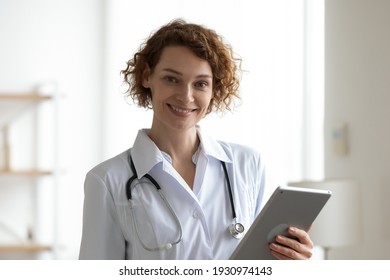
(24, 96)
(24, 248)
(26, 173)
(12, 104)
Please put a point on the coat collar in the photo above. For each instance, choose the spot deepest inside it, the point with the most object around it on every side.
(146, 154)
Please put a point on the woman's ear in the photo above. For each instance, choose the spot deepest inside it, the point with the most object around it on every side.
(145, 77)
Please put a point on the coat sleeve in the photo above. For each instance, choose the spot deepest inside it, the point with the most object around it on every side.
(102, 238)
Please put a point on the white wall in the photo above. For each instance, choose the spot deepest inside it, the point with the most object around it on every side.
(357, 92)
(58, 42)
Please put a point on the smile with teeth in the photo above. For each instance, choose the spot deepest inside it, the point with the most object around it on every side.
(181, 110)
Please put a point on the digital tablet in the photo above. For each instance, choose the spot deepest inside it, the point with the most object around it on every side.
(287, 206)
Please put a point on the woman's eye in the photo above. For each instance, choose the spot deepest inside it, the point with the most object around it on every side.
(171, 79)
(201, 84)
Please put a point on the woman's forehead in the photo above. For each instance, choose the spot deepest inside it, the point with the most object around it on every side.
(182, 60)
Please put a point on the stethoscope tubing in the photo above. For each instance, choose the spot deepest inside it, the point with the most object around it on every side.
(230, 190)
(236, 229)
(154, 182)
(129, 198)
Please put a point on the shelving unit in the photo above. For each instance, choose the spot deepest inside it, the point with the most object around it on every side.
(13, 105)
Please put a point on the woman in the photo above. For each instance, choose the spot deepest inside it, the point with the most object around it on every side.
(211, 190)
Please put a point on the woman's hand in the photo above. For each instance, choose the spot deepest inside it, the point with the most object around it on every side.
(286, 248)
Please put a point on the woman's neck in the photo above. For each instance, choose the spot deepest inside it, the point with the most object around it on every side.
(179, 144)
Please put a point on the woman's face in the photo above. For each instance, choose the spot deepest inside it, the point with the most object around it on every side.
(182, 87)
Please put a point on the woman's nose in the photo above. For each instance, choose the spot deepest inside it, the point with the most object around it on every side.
(185, 94)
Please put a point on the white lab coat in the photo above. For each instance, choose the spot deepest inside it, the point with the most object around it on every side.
(205, 212)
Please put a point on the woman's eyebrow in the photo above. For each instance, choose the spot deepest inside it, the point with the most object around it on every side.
(172, 71)
(181, 74)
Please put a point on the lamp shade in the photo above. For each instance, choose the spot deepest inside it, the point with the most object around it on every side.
(339, 222)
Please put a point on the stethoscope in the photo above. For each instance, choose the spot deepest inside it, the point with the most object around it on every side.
(236, 229)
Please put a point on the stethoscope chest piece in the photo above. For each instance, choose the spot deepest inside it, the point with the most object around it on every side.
(237, 230)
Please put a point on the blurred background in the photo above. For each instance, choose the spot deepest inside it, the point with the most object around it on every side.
(315, 96)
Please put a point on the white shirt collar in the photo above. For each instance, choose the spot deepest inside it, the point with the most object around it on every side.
(146, 154)
(211, 147)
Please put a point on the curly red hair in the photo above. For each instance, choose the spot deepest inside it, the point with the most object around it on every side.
(204, 43)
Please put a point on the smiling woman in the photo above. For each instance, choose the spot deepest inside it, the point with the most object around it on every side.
(183, 72)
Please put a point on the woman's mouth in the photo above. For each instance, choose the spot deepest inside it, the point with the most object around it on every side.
(180, 111)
